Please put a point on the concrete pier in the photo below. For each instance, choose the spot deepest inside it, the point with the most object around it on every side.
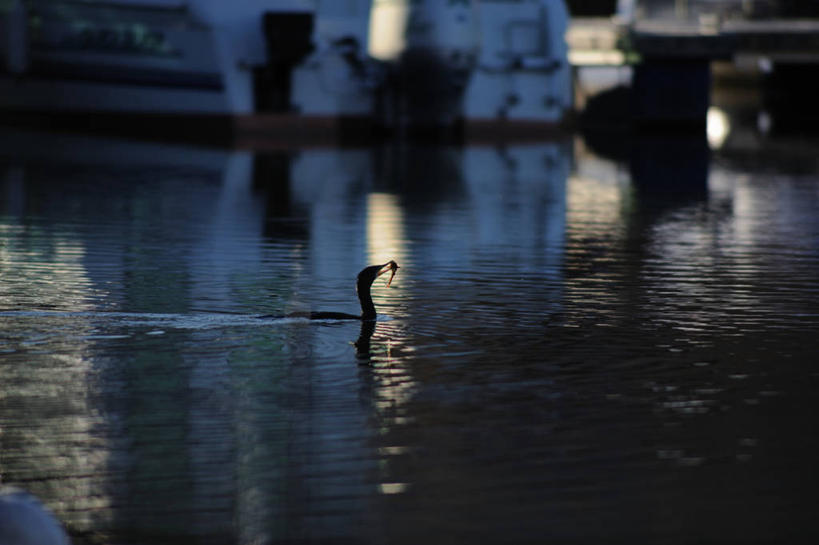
(670, 59)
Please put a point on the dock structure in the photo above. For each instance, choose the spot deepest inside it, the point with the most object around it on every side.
(671, 57)
(599, 41)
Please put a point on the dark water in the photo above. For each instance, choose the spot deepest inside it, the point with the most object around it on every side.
(575, 350)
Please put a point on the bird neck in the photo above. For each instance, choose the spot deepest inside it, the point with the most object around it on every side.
(367, 306)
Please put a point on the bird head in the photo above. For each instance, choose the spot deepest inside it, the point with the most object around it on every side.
(368, 275)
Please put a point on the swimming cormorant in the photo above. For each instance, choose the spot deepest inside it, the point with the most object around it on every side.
(365, 279)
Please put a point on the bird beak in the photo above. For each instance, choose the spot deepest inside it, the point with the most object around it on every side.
(391, 266)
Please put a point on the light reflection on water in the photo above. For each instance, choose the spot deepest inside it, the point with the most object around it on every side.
(574, 348)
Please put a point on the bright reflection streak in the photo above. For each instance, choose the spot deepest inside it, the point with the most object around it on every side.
(718, 127)
(595, 197)
(46, 391)
(393, 488)
(385, 229)
(394, 384)
(764, 122)
(52, 276)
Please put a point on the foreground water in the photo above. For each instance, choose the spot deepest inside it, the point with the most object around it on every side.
(575, 350)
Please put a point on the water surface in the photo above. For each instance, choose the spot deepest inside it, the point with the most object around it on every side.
(575, 350)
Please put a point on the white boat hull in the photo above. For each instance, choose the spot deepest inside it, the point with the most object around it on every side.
(493, 61)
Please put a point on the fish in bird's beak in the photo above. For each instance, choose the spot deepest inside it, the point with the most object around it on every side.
(392, 266)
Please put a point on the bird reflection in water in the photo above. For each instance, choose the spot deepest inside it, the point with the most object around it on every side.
(362, 344)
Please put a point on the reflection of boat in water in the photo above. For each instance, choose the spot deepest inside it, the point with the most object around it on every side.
(287, 64)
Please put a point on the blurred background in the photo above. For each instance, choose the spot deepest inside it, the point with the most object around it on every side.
(604, 324)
